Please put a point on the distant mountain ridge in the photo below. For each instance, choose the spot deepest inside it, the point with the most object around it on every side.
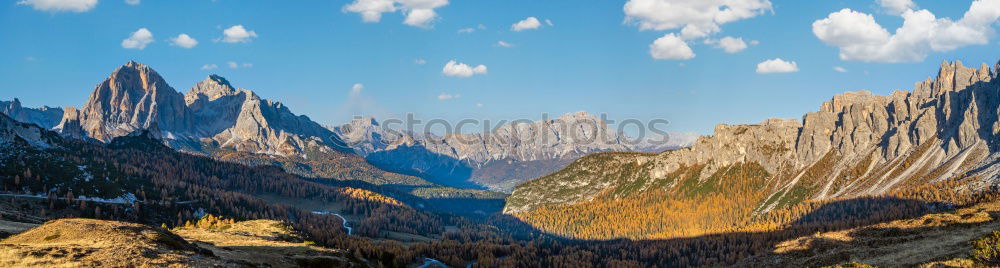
(856, 144)
(508, 155)
(45, 117)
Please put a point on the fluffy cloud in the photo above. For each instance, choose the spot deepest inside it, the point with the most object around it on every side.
(183, 40)
(60, 5)
(777, 66)
(729, 44)
(419, 13)
(504, 44)
(670, 47)
(839, 69)
(453, 68)
(132, 2)
(237, 34)
(420, 61)
(860, 38)
(446, 96)
(897, 7)
(695, 18)
(209, 67)
(530, 23)
(138, 40)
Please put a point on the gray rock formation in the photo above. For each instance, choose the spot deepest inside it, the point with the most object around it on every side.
(12, 131)
(212, 115)
(856, 144)
(45, 117)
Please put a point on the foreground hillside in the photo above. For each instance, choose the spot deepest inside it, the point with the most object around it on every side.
(859, 144)
(934, 240)
(92, 243)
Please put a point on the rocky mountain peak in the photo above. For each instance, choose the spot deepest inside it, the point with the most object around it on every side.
(212, 88)
(133, 97)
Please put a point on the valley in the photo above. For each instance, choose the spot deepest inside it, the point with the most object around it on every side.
(763, 188)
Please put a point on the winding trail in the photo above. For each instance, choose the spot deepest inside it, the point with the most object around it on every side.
(349, 229)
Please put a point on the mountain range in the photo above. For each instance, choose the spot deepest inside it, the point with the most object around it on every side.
(499, 159)
(858, 144)
(215, 118)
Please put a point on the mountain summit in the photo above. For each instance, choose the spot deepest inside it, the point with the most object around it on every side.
(213, 114)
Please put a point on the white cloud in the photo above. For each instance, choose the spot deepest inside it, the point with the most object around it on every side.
(132, 2)
(183, 40)
(237, 34)
(479, 105)
(670, 47)
(138, 39)
(549, 22)
(530, 23)
(860, 38)
(209, 67)
(453, 68)
(897, 7)
(777, 66)
(839, 69)
(60, 5)
(236, 65)
(446, 96)
(420, 17)
(695, 18)
(419, 13)
(420, 61)
(356, 89)
(729, 44)
(504, 44)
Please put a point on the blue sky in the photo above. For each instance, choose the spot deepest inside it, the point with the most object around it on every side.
(310, 54)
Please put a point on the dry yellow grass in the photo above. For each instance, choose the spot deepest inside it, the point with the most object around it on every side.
(934, 240)
(99, 243)
(264, 243)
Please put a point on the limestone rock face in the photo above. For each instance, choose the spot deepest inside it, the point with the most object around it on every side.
(133, 97)
(857, 143)
(213, 114)
(45, 117)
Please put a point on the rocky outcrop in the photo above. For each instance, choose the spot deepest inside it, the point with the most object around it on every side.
(45, 117)
(13, 131)
(857, 143)
(212, 115)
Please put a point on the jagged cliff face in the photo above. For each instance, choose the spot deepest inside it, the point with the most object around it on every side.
(856, 144)
(133, 97)
(212, 115)
(45, 117)
(498, 160)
